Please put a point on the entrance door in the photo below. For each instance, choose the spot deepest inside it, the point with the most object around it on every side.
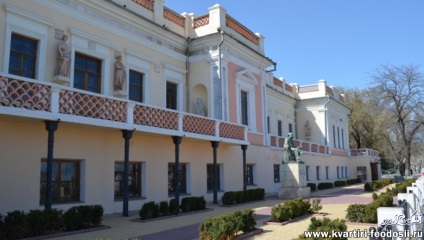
(374, 171)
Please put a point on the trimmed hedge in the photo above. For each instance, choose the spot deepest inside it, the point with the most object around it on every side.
(353, 181)
(163, 208)
(313, 186)
(227, 226)
(401, 187)
(340, 183)
(375, 185)
(237, 197)
(326, 225)
(325, 185)
(290, 209)
(18, 224)
(367, 213)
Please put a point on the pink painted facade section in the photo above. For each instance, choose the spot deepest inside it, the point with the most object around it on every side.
(232, 101)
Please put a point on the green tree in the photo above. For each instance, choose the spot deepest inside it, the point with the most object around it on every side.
(399, 90)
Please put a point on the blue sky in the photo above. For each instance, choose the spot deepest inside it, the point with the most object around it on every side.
(341, 41)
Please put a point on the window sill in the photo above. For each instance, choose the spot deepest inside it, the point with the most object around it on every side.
(129, 199)
(181, 194)
(63, 203)
(219, 190)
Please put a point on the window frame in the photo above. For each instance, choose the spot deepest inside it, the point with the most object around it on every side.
(32, 26)
(141, 86)
(22, 56)
(210, 180)
(308, 173)
(244, 107)
(59, 182)
(175, 97)
(86, 72)
(250, 174)
(183, 181)
(277, 177)
(139, 181)
(280, 128)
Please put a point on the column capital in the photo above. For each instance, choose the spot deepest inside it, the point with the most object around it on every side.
(127, 134)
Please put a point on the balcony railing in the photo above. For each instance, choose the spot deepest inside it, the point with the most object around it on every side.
(364, 152)
(309, 147)
(57, 101)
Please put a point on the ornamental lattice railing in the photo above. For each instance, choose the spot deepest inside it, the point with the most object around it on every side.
(57, 101)
(23, 94)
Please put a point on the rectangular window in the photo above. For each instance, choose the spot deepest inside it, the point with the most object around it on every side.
(280, 127)
(171, 95)
(65, 181)
(276, 173)
(334, 136)
(308, 173)
(134, 180)
(244, 108)
(338, 172)
(291, 128)
(338, 137)
(210, 177)
(318, 173)
(268, 124)
(346, 172)
(182, 174)
(136, 86)
(327, 172)
(249, 174)
(87, 73)
(23, 56)
(343, 145)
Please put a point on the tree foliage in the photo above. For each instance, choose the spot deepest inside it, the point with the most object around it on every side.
(389, 116)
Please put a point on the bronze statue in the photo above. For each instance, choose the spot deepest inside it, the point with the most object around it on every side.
(290, 152)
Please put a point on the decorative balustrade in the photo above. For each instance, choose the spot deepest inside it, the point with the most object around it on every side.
(276, 141)
(277, 82)
(154, 117)
(24, 94)
(201, 21)
(364, 152)
(148, 4)
(173, 17)
(339, 152)
(82, 104)
(288, 88)
(308, 88)
(329, 90)
(198, 125)
(242, 30)
(57, 101)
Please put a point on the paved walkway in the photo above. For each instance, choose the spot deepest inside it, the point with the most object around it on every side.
(335, 202)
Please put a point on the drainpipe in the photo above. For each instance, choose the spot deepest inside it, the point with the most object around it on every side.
(325, 117)
(220, 72)
(188, 76)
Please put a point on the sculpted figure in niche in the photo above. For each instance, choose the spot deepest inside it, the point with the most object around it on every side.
(290, 152)
(64, 58)
(120, 74)
(307, 129)
(200, 108)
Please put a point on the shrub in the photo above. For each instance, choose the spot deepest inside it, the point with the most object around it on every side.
(352, 181)
(243, 196)
(174, 206)
(313, 186)
(44, 222)
(163, 208)
(290, 209)
(401, 187)
(97, 215)
(316, 205)
(226, 226)
(374, 185)
(325, 185)
(80, 217)
(15, 225)
(367, 213)
(186, 204)
(200, 203)
(374, 196)
(228, 198)
(326, 225)
(149, 210)
(340, 183)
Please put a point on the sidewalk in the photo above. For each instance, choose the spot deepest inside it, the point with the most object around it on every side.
(335, 202)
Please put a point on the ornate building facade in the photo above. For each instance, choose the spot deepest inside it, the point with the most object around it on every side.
(119, 102)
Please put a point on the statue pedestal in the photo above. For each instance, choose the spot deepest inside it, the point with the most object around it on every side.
(293, 181)
(120, 93)
(64, 80)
